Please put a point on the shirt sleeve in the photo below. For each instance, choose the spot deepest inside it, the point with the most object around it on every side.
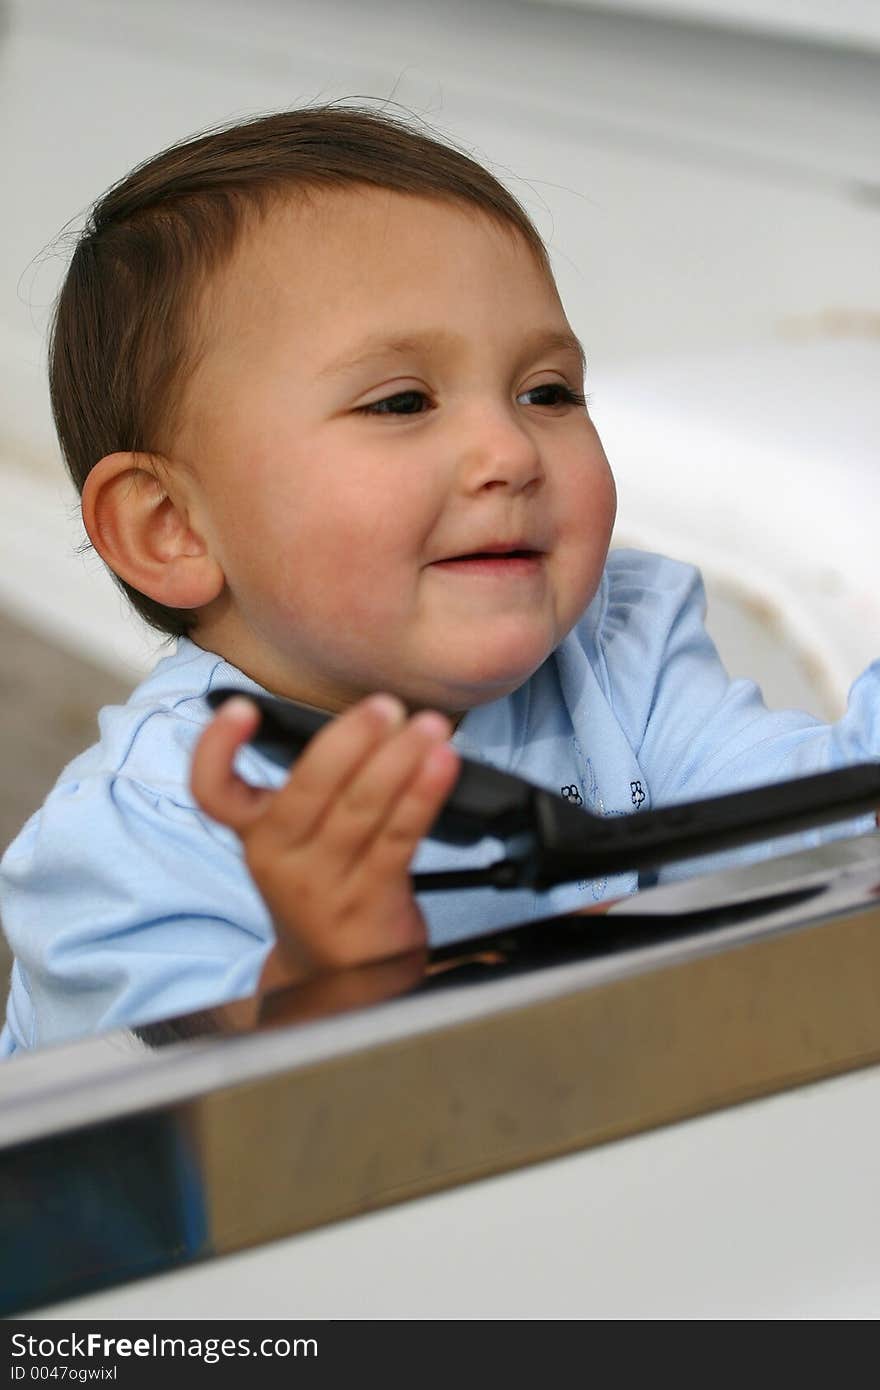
(697, 733)
(121, 907)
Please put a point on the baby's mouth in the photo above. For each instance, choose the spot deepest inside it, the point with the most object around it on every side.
(499, 562)
(492, 555)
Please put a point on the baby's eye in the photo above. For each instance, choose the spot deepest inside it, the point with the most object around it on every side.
(555, 393)
(402, 403)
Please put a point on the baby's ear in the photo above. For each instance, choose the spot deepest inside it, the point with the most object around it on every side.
(145, 534)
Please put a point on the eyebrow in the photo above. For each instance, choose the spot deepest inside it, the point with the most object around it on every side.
(439, 342)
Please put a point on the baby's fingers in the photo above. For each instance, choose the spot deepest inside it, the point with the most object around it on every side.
(216, 787)
(324, 772)
(415, 810)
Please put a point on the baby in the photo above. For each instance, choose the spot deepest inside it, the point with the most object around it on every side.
(313, 379)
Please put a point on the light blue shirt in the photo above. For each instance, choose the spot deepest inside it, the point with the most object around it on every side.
(125, 903)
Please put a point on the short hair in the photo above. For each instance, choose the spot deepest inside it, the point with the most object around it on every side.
(124, 336)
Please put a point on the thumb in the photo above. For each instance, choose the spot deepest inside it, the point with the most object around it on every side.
(215, 785)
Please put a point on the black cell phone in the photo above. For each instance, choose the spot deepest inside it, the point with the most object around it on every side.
(556, 842)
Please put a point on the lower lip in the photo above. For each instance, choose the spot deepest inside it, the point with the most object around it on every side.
(498, 566)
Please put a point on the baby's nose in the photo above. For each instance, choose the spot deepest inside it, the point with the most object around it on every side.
(500, 453)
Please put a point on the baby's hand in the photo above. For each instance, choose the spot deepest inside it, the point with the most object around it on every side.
(330, 850)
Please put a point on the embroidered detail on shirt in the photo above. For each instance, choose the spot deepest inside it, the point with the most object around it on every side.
(572, 794)
(638, 793)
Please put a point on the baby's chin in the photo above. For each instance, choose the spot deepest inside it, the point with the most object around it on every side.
(465, 685)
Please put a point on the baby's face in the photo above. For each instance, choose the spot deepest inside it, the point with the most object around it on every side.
(384, 395)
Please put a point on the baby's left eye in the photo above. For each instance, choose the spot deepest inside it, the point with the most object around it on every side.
(555, 393)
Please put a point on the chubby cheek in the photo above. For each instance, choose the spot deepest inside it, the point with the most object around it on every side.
(336, 556)
(585, 533)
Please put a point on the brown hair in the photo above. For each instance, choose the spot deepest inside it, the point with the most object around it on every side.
(123, 340)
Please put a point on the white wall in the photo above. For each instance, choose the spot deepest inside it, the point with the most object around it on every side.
(855, 22)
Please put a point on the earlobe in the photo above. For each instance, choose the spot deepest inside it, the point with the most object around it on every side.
(145, 535)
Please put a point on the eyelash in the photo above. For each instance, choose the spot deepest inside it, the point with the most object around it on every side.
(567, 397)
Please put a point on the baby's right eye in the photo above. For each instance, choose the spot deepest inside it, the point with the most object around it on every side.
(399, 404)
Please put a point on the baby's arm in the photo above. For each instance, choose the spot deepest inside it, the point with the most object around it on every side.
(330, 851)
(698, 733)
